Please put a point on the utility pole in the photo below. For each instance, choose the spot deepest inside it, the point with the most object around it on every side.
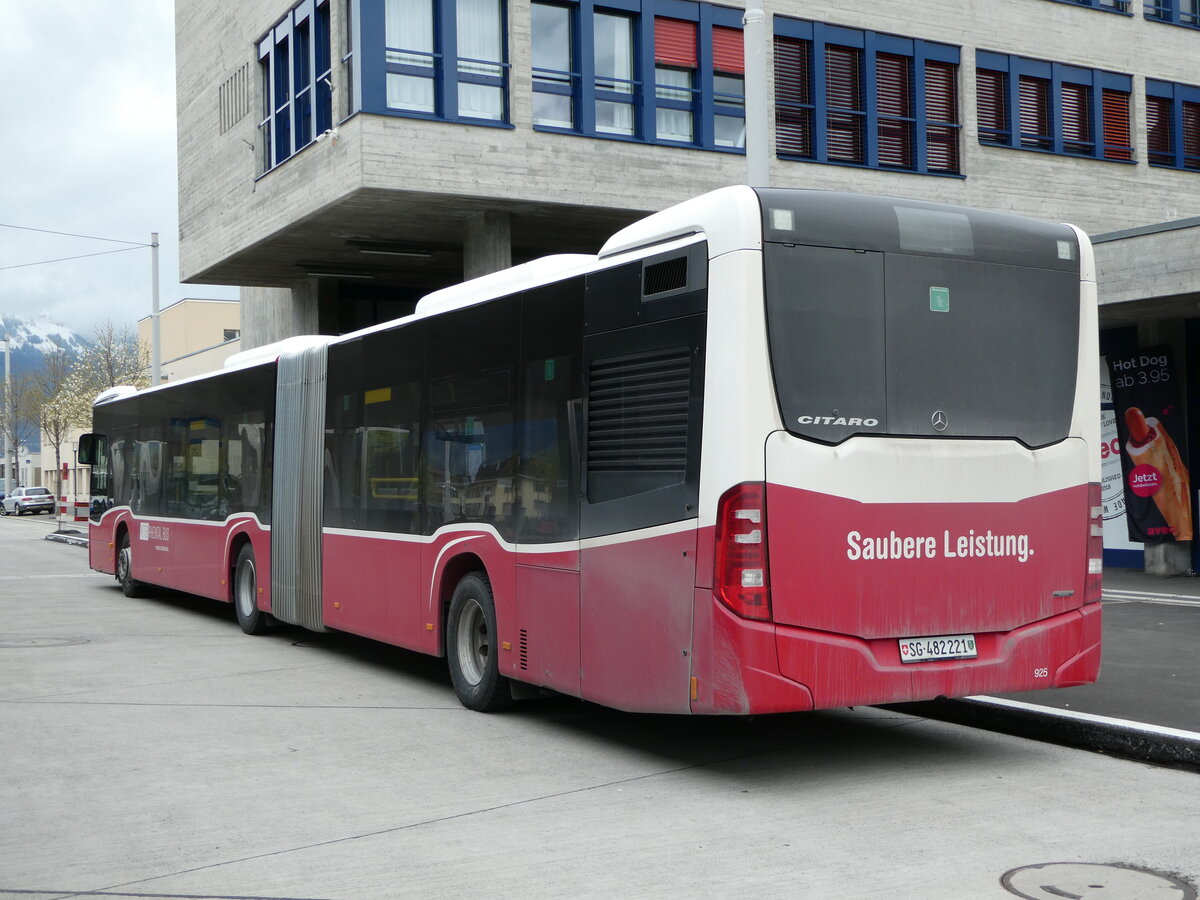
(754, 37)
(8, 451)
(155, 361)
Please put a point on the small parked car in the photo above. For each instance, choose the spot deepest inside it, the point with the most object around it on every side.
(28, 500)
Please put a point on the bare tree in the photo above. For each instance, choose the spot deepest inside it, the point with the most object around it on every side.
(21, 403)
(53, 415)
(114, 358)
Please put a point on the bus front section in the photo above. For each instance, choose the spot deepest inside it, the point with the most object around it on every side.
(928, 523)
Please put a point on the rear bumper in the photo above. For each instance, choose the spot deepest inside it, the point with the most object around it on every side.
(759, 667)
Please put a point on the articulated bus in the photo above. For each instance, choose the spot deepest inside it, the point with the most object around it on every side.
(769, 450)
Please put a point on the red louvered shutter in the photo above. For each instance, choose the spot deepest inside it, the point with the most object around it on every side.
(1116, 125)
(675, 43)
(893, 85)
(941, 114)
(793, 98)
(1191, 135)
(1158, 131)
(1035, 112)
(843, 99)
(728, 50)
(1077, 118)
(992, 106)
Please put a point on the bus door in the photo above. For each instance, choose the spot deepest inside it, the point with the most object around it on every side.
(643, 378)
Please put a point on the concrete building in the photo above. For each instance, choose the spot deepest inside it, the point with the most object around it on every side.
(195, 336)
(340, 158)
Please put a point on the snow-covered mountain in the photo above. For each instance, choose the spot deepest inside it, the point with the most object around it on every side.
(30, 337)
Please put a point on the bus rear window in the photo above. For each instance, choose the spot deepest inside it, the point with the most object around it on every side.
(912, 344)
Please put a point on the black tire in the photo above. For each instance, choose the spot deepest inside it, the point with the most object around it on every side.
(245, 595)
(130, 585)
(3, 510)
(472, 645)
(20, 512)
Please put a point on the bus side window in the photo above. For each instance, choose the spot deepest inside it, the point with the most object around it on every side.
(93, 451)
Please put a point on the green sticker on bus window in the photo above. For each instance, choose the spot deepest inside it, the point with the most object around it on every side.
(939, 299)
(549, 370)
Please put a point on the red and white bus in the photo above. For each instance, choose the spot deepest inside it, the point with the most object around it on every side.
(769, 450)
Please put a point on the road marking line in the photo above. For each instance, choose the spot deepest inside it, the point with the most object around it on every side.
(1145, 597)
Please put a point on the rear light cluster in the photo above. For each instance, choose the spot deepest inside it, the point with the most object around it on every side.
(1095, 546)
(741, 577)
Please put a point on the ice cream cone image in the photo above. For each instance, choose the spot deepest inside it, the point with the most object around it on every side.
(1149, 444)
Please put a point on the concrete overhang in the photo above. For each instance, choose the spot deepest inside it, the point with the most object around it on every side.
(1152, 272)
(400, 238)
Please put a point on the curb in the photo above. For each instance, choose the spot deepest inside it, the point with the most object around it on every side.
(74, 538)
(1136, 740)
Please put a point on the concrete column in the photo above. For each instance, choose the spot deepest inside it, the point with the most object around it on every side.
(272, 314)
(487, 243)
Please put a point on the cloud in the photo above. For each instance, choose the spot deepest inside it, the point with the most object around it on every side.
(89, 144)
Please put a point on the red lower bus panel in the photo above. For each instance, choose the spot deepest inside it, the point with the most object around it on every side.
(847, 671)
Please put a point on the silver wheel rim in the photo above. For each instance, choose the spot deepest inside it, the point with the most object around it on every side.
(473, 642)
(123, 564)
(246, 584)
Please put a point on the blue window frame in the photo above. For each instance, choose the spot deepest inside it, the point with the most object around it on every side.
(1173, 124)
(1173, 12)
(434, 59)
(294, 61)
(860, 98)
(1032, 104)
(653, 71)
(1113, 6)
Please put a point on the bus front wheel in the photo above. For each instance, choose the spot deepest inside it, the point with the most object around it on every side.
(129, 585)
(245, 595)
(471, 646)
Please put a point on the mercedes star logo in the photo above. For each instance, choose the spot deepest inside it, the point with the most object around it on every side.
(940, 421)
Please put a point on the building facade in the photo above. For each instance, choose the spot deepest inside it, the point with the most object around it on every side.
(341, 158)
(195, 336)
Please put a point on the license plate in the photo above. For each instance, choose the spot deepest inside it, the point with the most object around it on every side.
(953, 646)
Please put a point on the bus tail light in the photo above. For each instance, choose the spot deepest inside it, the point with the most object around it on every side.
(741, 579)
(1095, 546)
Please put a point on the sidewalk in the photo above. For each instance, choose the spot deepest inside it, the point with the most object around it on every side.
(1146, 702)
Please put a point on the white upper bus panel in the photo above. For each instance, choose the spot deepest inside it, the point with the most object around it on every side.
(507, 281)
(730, 219)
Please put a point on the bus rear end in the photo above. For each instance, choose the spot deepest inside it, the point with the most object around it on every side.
(925, 521)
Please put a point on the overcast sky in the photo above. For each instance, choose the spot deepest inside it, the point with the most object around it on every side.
(87, 147)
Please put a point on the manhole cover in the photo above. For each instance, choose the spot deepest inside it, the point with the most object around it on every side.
(38, 642)
(1094, 881)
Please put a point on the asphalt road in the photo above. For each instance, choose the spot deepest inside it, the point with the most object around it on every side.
(151, 749)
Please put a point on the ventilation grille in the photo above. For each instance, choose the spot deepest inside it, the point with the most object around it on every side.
(638, 412)
(524, 648)
(234, 98)
(668, 275)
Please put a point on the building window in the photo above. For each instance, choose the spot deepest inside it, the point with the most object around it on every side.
(674, 79)
(1035, 105)
(1115, 6)
(1174, 12)
(861, 98)
(555, 78)
(1173, 124)
(294, 62)
(614, 84)
(627, 73)
(442, 59)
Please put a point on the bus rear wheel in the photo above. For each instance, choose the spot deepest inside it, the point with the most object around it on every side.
(245, 595)
(471, 645)
(129, 585)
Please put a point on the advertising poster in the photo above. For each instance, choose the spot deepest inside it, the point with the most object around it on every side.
(1150, 428)
(1112, 481)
